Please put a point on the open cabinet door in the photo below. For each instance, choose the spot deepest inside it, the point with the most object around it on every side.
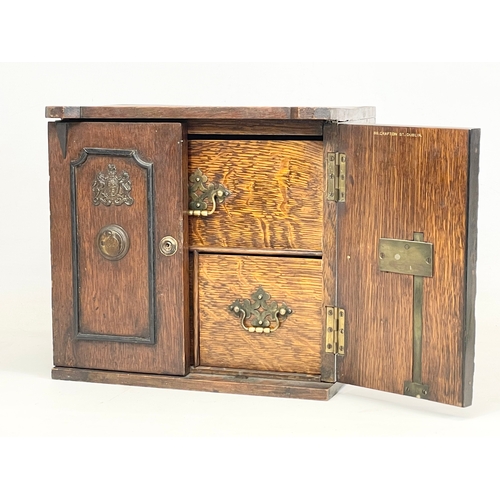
(406, 252)
(119, 246)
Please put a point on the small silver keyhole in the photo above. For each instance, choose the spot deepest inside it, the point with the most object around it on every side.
(168, 246)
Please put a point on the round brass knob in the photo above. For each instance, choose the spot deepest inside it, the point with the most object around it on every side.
(113, 242)
(168, 246)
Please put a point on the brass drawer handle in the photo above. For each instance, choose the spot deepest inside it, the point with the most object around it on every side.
(201, 195)
(263, 317)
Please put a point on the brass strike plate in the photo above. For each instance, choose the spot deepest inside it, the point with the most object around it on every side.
(405, 257)
(416, 390)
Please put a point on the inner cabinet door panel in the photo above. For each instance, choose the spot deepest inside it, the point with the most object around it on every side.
(408, 330)
(121, 234)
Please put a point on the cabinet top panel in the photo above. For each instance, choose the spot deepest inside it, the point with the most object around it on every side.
(208, 113)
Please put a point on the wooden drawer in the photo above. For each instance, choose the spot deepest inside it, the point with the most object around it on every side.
(276, 194)
(292, 283)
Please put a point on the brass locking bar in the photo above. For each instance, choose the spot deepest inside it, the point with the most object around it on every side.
(414, 258)
(415, 387)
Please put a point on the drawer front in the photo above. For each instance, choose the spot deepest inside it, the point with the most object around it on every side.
(283, 294)
(275, 199)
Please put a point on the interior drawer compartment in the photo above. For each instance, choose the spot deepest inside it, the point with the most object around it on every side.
(259, 313)
(272, 192)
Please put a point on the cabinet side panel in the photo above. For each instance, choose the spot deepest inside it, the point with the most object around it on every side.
(61, 255)
(470, 320)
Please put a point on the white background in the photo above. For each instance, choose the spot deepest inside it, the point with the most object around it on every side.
(102, 441)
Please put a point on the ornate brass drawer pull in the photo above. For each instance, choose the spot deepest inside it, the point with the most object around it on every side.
(263, 317)
(202, 195)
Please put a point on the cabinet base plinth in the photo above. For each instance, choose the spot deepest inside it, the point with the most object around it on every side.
(254, 386)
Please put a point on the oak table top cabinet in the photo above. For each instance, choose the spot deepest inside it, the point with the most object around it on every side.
(268, 251)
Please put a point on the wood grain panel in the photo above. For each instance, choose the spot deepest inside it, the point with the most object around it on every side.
(276, 194)
(161, 144)
(107, 305)
(400, 181)
(294, 346)
(256, 127)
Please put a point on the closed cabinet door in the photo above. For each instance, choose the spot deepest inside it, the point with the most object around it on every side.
(119, 246)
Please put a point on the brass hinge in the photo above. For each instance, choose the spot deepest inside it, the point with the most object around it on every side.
(336, 175)
(335, 335)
